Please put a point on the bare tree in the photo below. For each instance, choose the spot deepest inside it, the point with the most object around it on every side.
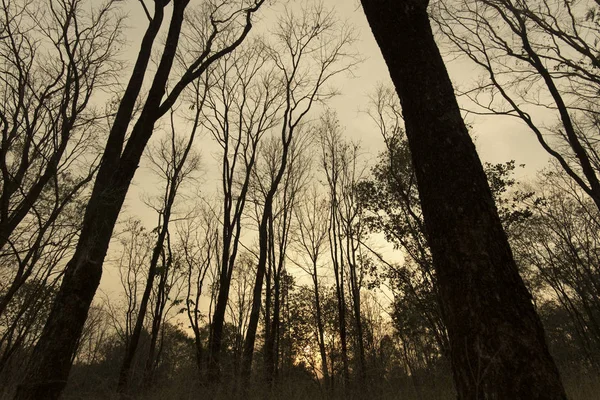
(280, 229)
(21, 326)
(49, 127)
(353, 231)
(167, 300)
(39, 247)
(240, 304)
(44, 237)
(136, 245)
(49, 370)
(94, 335)
(310, 50)
(557, 248)
(343, 171)
(331, 164)
(198, 240)
(241, 106)
(310, 241)
(540, 60)
(174, 160)
(55, 57)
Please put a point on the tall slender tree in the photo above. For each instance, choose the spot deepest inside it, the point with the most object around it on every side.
(198, 240)
(330, 137)
(49, 368)
(312, 48)
(242, 106)
(279, 233)
(310, 243)
(497, 342)
(343, 170)
(174, 160)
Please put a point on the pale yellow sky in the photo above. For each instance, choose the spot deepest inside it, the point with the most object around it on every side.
(498, 139)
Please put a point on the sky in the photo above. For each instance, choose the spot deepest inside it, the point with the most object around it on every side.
(498, 139)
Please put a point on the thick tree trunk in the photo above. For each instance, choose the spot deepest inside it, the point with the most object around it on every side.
(50, 364)
(497, 342)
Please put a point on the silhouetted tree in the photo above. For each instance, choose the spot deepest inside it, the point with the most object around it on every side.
(49, 369)
(310, 244)
(174, 160)
(241, 107)
(540, 61)
(311, 48)
(497, 342)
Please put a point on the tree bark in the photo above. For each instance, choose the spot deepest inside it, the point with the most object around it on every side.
(497, 342)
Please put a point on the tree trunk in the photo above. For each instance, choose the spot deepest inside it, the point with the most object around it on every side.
(218, 320)
(164, 220)
(320, 327)
(248, 351)
(271, 301)
(263, 239)
(133, 342)
(355, 292)
(157, 319)
(497, 342)
(231, 234)
(48, 369)
(338, 267)
(272, 347)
